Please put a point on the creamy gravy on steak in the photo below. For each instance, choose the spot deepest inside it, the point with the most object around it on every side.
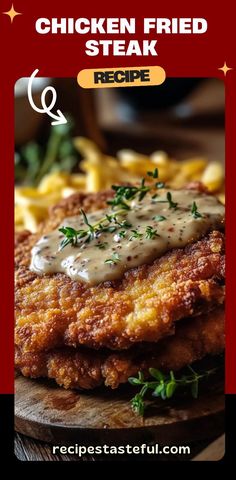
(136, 236)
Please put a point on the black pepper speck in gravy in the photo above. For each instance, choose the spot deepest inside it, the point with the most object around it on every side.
(85, 262)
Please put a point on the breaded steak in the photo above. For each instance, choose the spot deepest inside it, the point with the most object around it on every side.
(86, 369)
(53, 311)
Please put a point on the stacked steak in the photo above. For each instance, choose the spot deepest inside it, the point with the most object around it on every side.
(166, 314)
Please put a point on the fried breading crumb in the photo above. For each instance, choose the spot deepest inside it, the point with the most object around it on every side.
(86, 369)
(53, 310)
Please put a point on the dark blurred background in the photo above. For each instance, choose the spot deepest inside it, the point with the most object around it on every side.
(184, 117)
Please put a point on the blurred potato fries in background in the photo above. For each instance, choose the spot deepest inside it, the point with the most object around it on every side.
(101, 171)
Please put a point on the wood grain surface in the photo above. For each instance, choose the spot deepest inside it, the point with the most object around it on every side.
(46, 412)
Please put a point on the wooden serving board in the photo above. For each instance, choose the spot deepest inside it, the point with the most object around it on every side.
(46, 412)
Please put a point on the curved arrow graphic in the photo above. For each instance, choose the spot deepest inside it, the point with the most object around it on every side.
(59, 118)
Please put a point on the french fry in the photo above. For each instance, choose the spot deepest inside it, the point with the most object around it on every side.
(32, 216)
(178, 181)
(159, 158)
(191, 168)
(67, 191)
(213, 176)
(134, 162)
(221, 198)
(53, 181)
(94, 177)
(100, 171)
(87, 148)
(77, 180)
(18, 215)
(38, 199)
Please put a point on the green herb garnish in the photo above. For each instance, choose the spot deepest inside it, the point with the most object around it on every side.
(111, 222)
(115, 258)
(71, 236)
(168, 200)
(124, 224)
(171, 203)
(143, 190)
(194, 211)
(91, 229)
(160, 185)
(129, 192)
(101, 246)
(121, 234)
(151, 233)
(165, 385)
(159, 218)
(113, 218)
(135, 234)
(108, 228)
(153, 174)
(104, 225)
(124, 193)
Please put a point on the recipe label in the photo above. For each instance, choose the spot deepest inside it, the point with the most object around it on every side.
(121, 77)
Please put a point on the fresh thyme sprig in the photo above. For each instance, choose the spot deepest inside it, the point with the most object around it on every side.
(124, 193)
(129, 192)
(165, 385)
(153, 174)
(122, 234)
(135, 234)
(101, 246)
(71, 236)
(104, 225)
(113, 218)
(159, 218)
(111, 222)
(91, 228)
(169, 200)
(194, 211)
(151, 233)
(115, 258)
(160, 185)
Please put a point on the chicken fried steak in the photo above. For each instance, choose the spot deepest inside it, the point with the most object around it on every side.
(86, 369)
(114, 284)
(53, 310)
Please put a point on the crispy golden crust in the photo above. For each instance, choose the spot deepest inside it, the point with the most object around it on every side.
(52, 311)
(83, 368)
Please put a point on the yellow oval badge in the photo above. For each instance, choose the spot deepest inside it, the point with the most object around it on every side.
(121, 77)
